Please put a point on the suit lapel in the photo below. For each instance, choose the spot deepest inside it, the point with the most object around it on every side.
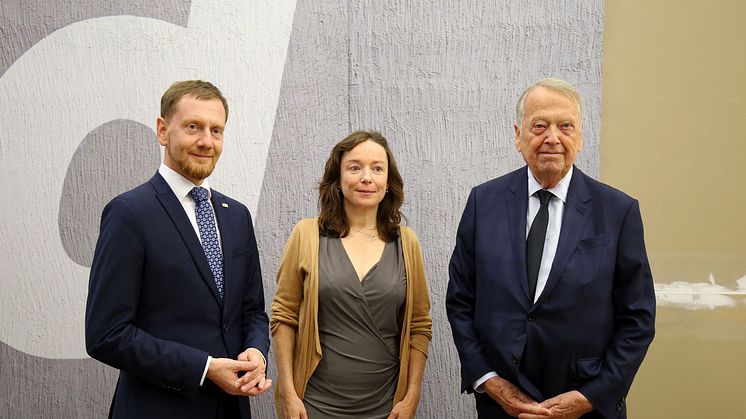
(223, 216)
(517, 206)
(578, 210)
(175, 211)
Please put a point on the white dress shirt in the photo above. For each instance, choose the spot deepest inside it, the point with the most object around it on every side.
(181, 187)
(556, 210)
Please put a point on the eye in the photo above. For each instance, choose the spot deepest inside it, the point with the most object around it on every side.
(538, 127)
(191, 127)
(567, 126)
(217, 132)
(378, 170)
(354, 168)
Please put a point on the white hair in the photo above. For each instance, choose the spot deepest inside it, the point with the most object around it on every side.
(553, 84)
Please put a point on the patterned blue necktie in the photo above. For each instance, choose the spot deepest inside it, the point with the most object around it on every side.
(209, 235)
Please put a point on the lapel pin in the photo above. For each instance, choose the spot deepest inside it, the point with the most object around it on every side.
(224, 205)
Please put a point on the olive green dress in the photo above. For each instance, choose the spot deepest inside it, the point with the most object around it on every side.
(359, 329)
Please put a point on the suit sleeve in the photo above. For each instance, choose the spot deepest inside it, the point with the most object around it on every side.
(254, 322)
(112, 334)
(634, 319)
(461, 300)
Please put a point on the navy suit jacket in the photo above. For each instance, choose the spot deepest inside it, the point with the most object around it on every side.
(154, 311)
(590, 327)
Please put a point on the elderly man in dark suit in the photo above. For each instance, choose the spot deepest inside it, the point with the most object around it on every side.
(550, 297)
(175, 299)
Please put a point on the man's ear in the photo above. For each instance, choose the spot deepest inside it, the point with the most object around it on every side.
(517, 136)
(161, 126)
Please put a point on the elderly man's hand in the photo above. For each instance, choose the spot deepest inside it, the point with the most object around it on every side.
(512, 399)
(570, 405)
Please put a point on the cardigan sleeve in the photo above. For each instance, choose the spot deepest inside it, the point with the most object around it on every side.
(421, 327)
(289, 293)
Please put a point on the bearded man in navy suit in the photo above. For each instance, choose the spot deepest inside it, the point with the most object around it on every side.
(566, 337)
(175, 299)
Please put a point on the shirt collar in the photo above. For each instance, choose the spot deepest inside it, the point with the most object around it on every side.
(559, 190)
(179, 184)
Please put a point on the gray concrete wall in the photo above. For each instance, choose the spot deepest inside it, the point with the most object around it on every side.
(79, 91)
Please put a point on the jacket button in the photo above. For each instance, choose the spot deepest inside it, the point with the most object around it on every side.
(516, 359)
(225, 328)
(531, 317)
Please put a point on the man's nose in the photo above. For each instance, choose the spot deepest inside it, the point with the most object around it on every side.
(552, 134)
(204, 139)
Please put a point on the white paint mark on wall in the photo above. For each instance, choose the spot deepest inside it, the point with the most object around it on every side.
(700, 295)
(95, 71)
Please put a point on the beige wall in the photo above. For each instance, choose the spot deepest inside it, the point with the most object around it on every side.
(673, 136)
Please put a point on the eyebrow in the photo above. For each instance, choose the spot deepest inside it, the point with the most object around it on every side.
(358, 161)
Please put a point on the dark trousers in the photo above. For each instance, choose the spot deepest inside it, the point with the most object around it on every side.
(228, 408)
(488, 408)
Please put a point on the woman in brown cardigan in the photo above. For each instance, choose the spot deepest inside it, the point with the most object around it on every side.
(350, 318)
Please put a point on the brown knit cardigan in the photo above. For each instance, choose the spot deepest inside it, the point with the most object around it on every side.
(297, 297)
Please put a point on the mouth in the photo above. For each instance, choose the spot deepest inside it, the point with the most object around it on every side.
(365, 191)
(201, 156)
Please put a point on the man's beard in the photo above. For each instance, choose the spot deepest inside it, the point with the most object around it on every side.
(198, 171)
(191, 170)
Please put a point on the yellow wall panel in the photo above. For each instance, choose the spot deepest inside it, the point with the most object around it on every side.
(673, 136)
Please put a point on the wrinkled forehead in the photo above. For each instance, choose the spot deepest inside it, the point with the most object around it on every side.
(547, 101)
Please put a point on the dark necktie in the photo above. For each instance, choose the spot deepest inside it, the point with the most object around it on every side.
(209, 235)
(535, 241)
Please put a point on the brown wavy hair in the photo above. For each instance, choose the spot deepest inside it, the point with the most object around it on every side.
(332, 218)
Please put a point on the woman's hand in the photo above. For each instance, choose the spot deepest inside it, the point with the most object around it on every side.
(291, 407)
(405, 409)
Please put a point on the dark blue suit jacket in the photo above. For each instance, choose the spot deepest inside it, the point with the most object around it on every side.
(153, 308)
(592, 324)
